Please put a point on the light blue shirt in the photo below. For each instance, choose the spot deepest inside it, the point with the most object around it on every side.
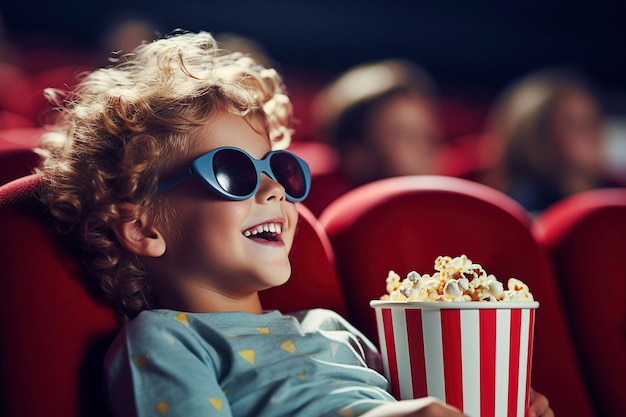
(167, 363)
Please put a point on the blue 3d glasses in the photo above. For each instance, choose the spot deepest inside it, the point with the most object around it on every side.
(234, 174)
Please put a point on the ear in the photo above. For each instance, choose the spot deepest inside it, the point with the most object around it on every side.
(136, 232)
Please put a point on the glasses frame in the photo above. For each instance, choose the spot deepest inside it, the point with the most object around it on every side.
(261, 166)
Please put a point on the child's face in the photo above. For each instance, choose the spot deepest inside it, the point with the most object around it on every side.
(575, 128)
(405, 135)
(211, 249)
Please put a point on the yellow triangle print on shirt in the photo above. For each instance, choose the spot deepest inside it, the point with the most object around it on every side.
(264, 330)
(162, 408)
(216, 402)
(301, 377)
(182, 317)
(141, 361)
(248, 355)
(288, 346)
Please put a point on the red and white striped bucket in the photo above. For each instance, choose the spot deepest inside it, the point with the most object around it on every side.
(475, 356)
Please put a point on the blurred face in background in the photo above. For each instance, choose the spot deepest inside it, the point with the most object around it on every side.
(405, 136)
(576, 131)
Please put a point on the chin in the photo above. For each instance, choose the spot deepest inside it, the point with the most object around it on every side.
(279, 277)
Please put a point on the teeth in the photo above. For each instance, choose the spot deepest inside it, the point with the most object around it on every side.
(267, 228)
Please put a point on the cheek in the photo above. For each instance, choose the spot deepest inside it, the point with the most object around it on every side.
(292, 218)
(201, 220)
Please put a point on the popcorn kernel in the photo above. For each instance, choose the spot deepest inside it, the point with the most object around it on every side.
(455, 279)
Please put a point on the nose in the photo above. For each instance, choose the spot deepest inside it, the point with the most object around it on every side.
(269, 190)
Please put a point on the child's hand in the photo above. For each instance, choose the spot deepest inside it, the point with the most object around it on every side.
(422, 407)
(437, 409)
(539, 405)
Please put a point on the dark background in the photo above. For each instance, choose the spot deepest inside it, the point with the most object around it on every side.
(472, 45)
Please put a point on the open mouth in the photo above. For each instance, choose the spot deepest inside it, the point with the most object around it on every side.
(268, 232)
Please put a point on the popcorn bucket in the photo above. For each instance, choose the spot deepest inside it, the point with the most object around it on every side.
(475, 356)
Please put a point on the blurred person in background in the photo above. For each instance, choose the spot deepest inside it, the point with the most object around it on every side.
(126, 33)
(232, 41)
(546, 131)
(382, 119)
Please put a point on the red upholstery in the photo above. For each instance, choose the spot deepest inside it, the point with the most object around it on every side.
(321, 157)
(16, 90)
(39, 55)
(404, 223)
(62, 77)
(469, 156)
(10, 120)
(54, 334)
(16, 163)
(20, 138)
(17, 157)
(326, 188)
(586, 236)
(462, 114)
(327, 181)
(22, 92)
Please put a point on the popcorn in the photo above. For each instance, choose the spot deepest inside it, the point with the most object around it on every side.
(456, 279)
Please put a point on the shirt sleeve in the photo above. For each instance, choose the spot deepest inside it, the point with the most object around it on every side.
(370, 351)
(330, 320)
(157, 366)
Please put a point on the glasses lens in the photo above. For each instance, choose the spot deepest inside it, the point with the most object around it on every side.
(289, 174)
(234, 172)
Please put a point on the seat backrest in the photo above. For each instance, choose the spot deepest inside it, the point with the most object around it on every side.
(16, 163)
(55, 331)
(585, 235)
(327, 180)
(12, 120)
(20, 137)
(16, 89)
(404, 223)
(17, 155)
(54, 334)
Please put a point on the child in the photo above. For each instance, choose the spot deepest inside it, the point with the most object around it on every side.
(381, 118)
(548, 115)
(169, 168)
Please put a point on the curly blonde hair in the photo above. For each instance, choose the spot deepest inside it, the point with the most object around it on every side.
(124, 127)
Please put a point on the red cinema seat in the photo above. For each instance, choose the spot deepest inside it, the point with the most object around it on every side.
(16, 90)
(327, 180)
(404, 223)
(17, 155)
(54, 329)
(54, 334)
(585, 234)
(16, 163)
(62, 77)
(20, 137)
(472, 156)
(11, 120)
